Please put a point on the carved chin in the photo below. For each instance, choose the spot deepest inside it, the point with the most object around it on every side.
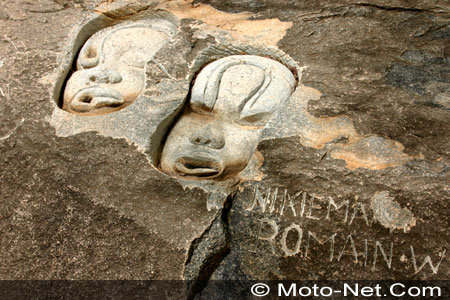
(199, 166)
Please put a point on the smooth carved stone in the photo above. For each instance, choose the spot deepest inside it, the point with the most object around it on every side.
(231, 101)
(111, 66)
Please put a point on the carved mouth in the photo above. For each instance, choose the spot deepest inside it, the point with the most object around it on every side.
(95, 97)
(199, 166)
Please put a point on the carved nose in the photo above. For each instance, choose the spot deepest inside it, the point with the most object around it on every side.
(103, 76)
(211, 136)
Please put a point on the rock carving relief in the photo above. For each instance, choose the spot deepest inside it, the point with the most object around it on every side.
(202, 127)
(108, 64)
(231, 101)
(110, 68)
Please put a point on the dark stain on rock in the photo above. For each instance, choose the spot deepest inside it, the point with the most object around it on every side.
(442, 32)
(423, 74)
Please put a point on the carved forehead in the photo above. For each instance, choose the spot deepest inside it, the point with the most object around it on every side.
(143, 37)
(159, 25)
(139, 40)
(241, 79)
(271, 90)
(237, 85)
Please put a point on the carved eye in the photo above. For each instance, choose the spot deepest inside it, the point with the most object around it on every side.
(256, 112)
(200, 108)
(88, 57)
(256, 119)
(136, 60)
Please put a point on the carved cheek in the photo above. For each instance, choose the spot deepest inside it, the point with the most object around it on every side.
(75, 83)
(176, 141)
(132, 84)
(240, 143)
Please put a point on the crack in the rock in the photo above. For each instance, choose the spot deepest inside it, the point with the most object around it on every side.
(342, 11)
(322, 14)
(401, 9)
(207, 252)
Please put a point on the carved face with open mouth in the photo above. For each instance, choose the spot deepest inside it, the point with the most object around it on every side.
(199, 165)
(110, 68)
(207, 147)
(218, 131)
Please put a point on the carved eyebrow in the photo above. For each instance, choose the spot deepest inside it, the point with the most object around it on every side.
(259, 105)
(85, 60)
(98, 59)
(253, 97)
(205, 91)
(206, 95)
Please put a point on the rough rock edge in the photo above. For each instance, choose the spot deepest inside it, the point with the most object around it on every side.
(207, 252)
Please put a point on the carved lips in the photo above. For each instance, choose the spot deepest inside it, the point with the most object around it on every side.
(95, 97)
(199, 166)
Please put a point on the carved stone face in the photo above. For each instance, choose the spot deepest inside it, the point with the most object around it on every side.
(110, 68)
(231, 101)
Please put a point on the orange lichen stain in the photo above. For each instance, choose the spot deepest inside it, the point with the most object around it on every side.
(305, 93)
(185, 9)
(317, 132)
(325, 130)
(372, 152)
(268, 31)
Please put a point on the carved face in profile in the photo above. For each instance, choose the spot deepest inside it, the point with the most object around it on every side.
(231, 101)
(111, 66)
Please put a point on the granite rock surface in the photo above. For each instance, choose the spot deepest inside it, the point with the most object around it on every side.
(352, 176)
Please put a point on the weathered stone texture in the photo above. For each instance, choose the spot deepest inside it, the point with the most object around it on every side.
(367, 128)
